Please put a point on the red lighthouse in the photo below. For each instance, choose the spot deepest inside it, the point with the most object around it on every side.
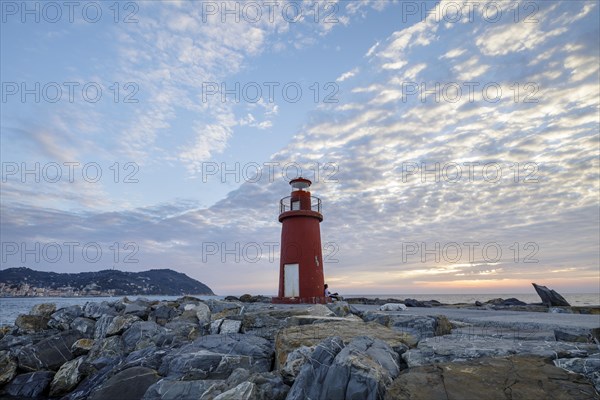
(301, 262)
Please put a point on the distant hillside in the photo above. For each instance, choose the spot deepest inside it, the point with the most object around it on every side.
(152, 282)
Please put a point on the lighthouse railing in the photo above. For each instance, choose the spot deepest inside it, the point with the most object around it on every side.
(285, 204)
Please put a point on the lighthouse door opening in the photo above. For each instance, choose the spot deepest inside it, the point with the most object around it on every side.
(291, 280)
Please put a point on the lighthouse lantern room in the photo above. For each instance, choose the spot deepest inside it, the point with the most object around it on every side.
(301, 262)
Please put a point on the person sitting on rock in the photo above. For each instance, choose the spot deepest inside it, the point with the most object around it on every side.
(328, 294)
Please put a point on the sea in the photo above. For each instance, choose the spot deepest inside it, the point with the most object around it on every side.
(11, 307)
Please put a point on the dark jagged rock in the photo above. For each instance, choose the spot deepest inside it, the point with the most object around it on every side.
(216, 356)
(43, 309)
(92, 381)
(456, 347)
(120, 324)
(150, 357)
(573, 336)
(110, 347)
(67, 377)
(167, 389)
(86, 326)
(588, 367)
(63, 318)
(414, 303)
(266, 323)
(138, 309)
(140, 335)
(98, 310)
(550, 297)
(11, 342)
(49, 353)
(362, 300)
(416, 325)
(8, 367)
(131, 384)
(32, 323)
(231, 298)
(360, 370)
(82, 346)
(30, 385)
(248, 298)
(513, 302)
(162, 314)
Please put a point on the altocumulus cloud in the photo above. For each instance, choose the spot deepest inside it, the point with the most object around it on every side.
(375, 208)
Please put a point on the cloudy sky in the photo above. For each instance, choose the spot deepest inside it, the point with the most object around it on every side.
(455, 145)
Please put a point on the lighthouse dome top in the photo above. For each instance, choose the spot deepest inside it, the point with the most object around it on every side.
(300, 183)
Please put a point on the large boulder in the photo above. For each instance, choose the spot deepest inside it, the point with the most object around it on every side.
(419, 326)
(141, 334)
(138, 308)
(340, 308)
(182, 329)
(91, 382)
(82, 346)
(270, 386)
(200, 310)
(265, 386)
(243, 391)
(229, 326)
(86, 326)
(67, 377)
(267, 323)
(12, 343)
(120, 324)
(43, 309)
(49, 353)
(110, 347)
(361, 370)
(8, 367)
(130, 384)
(291, 338)
(320, 310)
(216, 356)
(32, 323)
(580, 335)
(63, 318)
(295, 361)
(149, 357)
(102, 325)
(514, 377)
(162, 314)
(588, 367)
(221, 309)
(167, 389)
(550, 297)
(97, 310)
(453, 347)
(30, 385)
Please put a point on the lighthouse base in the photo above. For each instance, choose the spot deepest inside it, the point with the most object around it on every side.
(300, 300)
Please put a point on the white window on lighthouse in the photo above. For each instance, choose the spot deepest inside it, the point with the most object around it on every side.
(291, 280)
(295, 205)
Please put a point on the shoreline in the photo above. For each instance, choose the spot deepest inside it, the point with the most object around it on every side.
(196, 347)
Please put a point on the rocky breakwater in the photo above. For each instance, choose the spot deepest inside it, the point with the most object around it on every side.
(193, 349)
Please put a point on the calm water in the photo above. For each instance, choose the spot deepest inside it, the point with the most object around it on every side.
(575, 299)
(10, 308)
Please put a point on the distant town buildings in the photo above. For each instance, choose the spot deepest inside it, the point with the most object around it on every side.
(26, 290)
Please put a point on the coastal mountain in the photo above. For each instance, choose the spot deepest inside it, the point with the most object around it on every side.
(24, 281)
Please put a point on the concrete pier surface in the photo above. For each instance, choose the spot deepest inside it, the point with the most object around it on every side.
(502, 318)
